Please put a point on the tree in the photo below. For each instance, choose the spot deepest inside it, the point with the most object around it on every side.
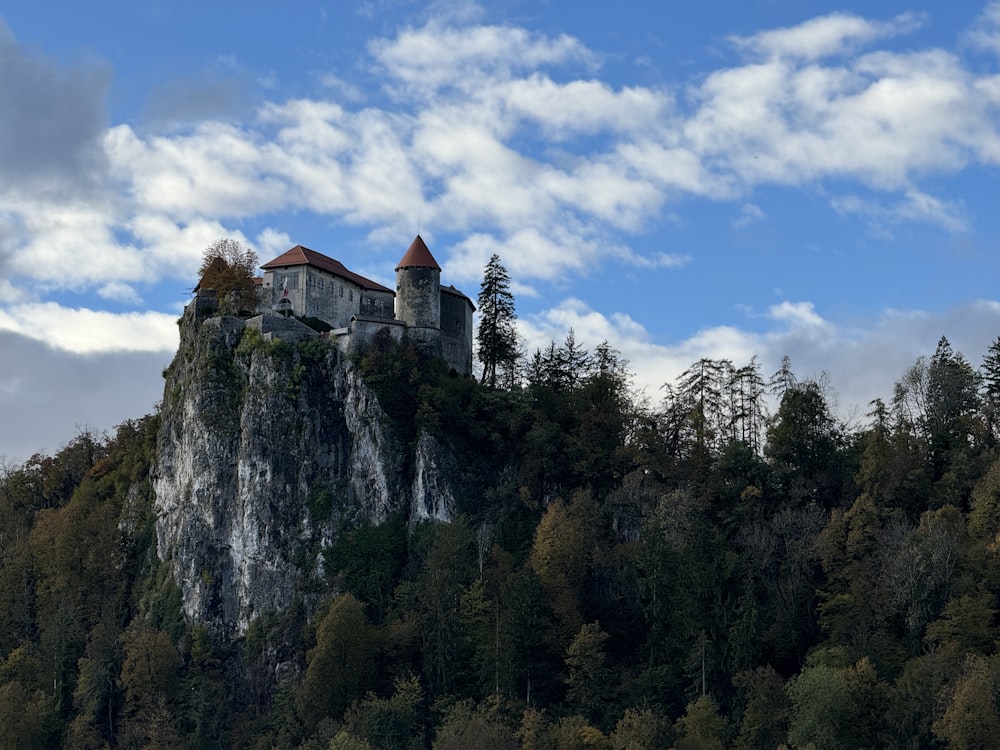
(589, 678)
(466, 725)
(746, 395)
(562, 555)
(952, 408)
(447, 572)
(971, 719)
(767, 708)
(835, 707)
(641, 730)
(340, 665)
(389, 723)
(150, 677)
(803, 444)
(496, 338)
(229, 269)
(918, 697)
(702, 727)
(700, 395)
(990, 376)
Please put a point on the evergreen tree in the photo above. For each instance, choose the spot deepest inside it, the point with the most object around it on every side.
(952, 407)
(990, 377)
(496, 338)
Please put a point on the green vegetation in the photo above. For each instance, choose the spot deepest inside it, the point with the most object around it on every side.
(729, 568)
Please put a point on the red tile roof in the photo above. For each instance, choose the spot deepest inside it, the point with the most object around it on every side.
(418, 256)
(303, 256)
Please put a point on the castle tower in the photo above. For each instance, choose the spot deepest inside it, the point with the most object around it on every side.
(418, 290)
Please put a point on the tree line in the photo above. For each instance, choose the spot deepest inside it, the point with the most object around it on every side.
(707, 571)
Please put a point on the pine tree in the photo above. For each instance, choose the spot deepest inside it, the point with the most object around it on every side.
(990, 378)
(496, 337)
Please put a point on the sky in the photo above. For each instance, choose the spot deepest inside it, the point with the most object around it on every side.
(762, 178)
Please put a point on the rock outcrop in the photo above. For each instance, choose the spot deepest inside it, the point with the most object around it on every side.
(270, 446)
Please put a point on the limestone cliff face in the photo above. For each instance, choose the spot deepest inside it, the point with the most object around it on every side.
(269, 447)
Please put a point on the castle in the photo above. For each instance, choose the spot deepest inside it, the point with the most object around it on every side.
(307, 284)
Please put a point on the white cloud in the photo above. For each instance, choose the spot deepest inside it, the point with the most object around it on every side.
(440, 55)
(271, 242)
(173, 250)
(826, 35)
(341, 88)
(115, 290)
(216, 170)
(985, 33)
(71, 243)
(565, 110)
(658, 260)
(527, 254)
(914, 207)
(797, 315)
(885, 119)
(483, 142)
(750, 213)
(11, 293)
(83, 331)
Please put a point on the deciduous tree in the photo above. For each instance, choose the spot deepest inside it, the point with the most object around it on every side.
(340, 665)
(229, 269)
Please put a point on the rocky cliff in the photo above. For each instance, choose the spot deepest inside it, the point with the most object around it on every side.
(270, 446)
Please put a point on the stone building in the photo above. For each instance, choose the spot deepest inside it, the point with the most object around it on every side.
(308, 284)
(305, 283)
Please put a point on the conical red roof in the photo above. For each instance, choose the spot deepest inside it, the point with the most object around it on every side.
(418, 256)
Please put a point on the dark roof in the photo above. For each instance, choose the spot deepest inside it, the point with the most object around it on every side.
(303, 256)
(450, 289)
(418, 256)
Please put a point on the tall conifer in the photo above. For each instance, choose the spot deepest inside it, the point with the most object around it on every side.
(496, 337)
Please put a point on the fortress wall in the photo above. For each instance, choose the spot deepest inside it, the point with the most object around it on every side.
(456, 332)
(363, 331)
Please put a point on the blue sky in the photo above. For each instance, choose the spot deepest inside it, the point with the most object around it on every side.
(723, 179)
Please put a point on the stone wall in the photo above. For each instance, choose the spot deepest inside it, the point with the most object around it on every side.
(418, 296)
(456, 332)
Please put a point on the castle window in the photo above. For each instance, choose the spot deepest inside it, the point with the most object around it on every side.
(350, 295)
(341, 290)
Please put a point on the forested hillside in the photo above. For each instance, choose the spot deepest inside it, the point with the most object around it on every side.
(722, 564)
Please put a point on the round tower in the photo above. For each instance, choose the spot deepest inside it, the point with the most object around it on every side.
(418, 287)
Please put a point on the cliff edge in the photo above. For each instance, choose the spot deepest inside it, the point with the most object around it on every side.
(270, 446)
